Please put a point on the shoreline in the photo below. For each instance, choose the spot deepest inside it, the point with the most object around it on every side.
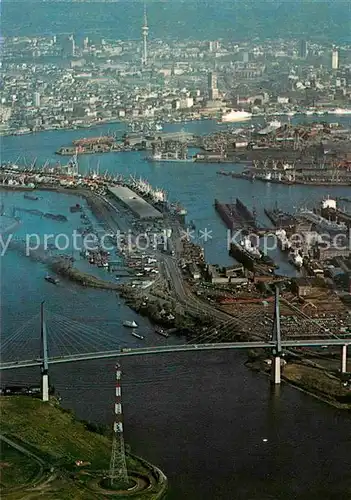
(57, 440)
(308, 379)
(205, 117)
(187, 324)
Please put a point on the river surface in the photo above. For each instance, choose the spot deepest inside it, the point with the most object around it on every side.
(202, 417)
(191, 19)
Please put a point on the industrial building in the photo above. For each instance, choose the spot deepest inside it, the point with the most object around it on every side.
(135, 203)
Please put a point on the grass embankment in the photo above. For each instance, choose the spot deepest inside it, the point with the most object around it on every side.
(318, 382)
(57, 437)
(16, 468)
(81, 278)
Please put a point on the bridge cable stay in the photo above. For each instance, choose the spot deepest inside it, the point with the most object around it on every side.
(68, 335)
(18, 343)
(17, 333)
(71, 339)
(58, 340)
(81, 336)
(212, 335)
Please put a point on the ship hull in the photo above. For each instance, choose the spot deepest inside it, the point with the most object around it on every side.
(249, 261)
(239, 254)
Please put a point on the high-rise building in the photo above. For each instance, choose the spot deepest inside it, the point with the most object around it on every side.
(145, 32)
(86, 43)
(212, 86)
(303, 50)
(246, 57)
(36, 99)
(72, 46)
(335, 58)
(213, 46)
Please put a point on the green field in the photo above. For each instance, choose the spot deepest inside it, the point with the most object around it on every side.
(16, 469)
(57, 439)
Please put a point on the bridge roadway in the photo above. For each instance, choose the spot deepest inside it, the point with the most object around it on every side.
(174, 348)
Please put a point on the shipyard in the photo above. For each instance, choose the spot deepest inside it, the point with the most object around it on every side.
(133, 203)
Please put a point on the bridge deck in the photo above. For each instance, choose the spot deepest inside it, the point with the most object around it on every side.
(142, 351)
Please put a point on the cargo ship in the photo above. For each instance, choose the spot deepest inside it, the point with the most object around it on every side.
(322, 223)
(249, 255)
(279, 218)
(169, 157)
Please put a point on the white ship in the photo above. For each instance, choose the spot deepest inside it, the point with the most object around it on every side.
(282, 240)
(340, 111)
(130, 324)
(236, 116)
(247, 245)
(296, 259)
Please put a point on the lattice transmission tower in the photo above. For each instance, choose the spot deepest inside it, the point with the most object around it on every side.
(118, 466)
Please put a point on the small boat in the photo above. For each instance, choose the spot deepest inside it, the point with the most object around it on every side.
(161, 331)
(51, 279)
(29, 197)
(75, 208)
(130, 324)
(138, 336)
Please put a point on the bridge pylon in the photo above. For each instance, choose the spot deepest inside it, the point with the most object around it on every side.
(276, 361)
(118, 475)
(44, 356)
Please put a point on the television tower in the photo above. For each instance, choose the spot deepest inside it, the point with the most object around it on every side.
(118, 466)
(145, 32)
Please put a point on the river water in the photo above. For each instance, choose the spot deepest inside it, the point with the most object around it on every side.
(201, 417)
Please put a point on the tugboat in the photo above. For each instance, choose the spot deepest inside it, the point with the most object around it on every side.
(51, 279)
(161, 331)
(138, 336)
(130, 324)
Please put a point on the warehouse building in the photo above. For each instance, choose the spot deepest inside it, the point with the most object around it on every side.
(135, 203)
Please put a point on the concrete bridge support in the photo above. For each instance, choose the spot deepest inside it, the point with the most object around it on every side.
(343, 367)
(276, 370)
(276, 336)
(44, 357)
(45, 386)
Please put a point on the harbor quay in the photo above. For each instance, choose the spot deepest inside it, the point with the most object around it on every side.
(91, 242)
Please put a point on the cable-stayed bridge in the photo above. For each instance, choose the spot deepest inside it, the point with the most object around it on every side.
(70, 340)
(49, 338)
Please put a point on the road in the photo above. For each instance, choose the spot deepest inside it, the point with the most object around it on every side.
(186, 297)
